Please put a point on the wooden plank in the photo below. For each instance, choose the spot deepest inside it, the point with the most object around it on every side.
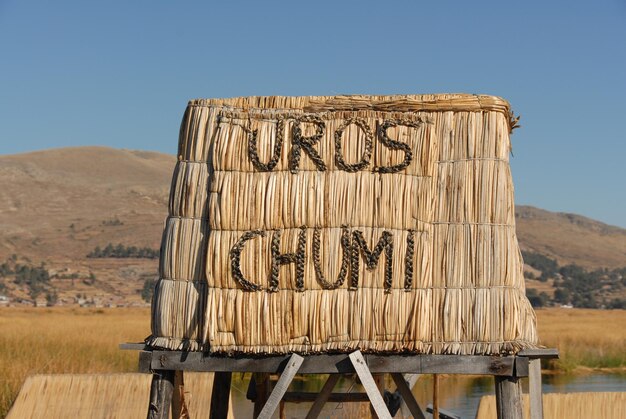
(546, 353)
(179, 407)
(161, 395)
(370, 386)
(337, 363)
(220, 395)
(307, 397)
(145, 361)
(133, 346)
(534, 389)
(407, 396)
(466, 364)
(323, 396)
(508, 398)
(521, 366)
(295, 361)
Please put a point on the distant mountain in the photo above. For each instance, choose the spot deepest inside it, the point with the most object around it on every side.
(59, 203)
(571, 238)
(57, 206)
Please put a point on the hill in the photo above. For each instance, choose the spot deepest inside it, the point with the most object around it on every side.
(571, 238)
(58, 206)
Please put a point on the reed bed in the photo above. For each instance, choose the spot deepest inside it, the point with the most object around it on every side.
(103, 396)
(62, 340)
(315, 224)
(585, 338)
(566, 405)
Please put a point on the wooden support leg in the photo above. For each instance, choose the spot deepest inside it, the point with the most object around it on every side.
(323, 396)
(179, 407)
(508, 398)
(370, 385)
(407, 396)
(220, 395)
(260, 390)
(534, 388)
(161, 394)
(295, 361)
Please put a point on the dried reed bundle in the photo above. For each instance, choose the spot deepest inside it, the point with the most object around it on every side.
(315, 224)
(103, 396)
(566, 405)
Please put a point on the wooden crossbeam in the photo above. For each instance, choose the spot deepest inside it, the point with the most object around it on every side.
(323, 396)
(339, 363)
(544, 353)
(305, 396)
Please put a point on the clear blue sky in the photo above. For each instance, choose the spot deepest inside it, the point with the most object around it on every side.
(119, 73)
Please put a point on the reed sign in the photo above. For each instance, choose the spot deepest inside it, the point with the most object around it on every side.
(315, 224)
(352, 241)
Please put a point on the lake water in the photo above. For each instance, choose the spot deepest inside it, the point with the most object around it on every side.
(458, 394)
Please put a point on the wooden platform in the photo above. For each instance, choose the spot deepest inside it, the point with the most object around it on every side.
(507, 370)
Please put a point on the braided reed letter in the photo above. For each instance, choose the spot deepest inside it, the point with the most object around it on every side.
(371, 257)
(306, 143)
(408, 260)
(253, 150)
(395, 145)
(345, 259)
(235, 260)
(367, 152)
(279, 259)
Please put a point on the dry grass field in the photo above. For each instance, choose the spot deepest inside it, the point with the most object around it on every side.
(71, 340)
(585, 338)
(80, 340)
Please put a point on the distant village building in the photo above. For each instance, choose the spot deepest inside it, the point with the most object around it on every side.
(41, 302)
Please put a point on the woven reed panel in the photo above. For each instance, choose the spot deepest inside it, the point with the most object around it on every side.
(315, 224)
